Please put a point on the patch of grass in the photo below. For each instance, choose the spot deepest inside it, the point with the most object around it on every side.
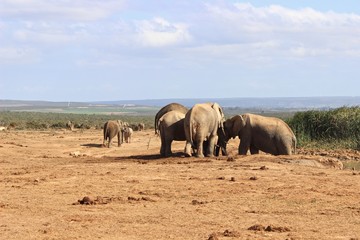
(39, 120)
(337, 128)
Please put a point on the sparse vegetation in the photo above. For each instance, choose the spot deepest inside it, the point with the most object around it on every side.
(328, 129)
(40, 121)
(337, 128)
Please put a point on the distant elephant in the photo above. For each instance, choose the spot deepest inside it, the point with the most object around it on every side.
(128, 132)
(70, 125)
(171, 127)
(170, 107)
(141, 126)
(268, 134)
(202, 123)
(111, 129)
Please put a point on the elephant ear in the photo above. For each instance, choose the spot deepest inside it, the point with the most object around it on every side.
(238, 123)
(220, 114)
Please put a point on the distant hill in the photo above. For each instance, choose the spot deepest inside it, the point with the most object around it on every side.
(152, 105)
(265, 103)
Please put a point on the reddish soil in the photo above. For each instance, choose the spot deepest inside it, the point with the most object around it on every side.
(65, 185)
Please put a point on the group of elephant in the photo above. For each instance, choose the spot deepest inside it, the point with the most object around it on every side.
(206, 131)
(117, 128)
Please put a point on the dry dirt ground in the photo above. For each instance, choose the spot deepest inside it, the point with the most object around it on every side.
(134, 194)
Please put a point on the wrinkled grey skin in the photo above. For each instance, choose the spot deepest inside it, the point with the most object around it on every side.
(259, 133)
(171, 127)
(112, 129)
(170, 107)
(202, 122)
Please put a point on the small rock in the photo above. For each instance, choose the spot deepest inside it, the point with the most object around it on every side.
(75, 154)
(231, 159)
(213, 236)
(86, 201)
(257, 227)
(253, 178)
(228, 233)
(232, 179)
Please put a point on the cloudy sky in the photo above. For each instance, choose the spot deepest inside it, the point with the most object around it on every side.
(94, 50)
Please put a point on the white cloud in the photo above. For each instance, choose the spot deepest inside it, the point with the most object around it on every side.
(11, 55)
(158, 33)
(298, 32)
(79, 10)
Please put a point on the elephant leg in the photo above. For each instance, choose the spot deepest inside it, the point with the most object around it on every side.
(211, 147)
(188, 149)
(162, 148)
(119, 140)
(110, 141)
(217, 151)
(243, 148)
(254, 150)
(284, 148)
(200, 149)
(168, 151)
(224, 151)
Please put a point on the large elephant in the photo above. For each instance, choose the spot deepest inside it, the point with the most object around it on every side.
(202, 123)
(171, 127)
(268, 134)
(170, 107)
(111, 129)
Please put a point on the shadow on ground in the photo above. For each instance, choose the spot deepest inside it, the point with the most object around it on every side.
(92, 145)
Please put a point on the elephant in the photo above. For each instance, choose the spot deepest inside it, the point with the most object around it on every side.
(141, 126)
(70, 125)
(201, 123)
(268, 134)
(170, 107)
(171, 127)
(127, 132)
(111, 129)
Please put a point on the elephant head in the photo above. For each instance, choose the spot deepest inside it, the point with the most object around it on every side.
(234, 125)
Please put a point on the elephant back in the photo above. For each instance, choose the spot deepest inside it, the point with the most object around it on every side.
(170, 107)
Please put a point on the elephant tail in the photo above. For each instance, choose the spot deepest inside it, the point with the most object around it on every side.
(105, 130)
(156, 125)
(192, 132)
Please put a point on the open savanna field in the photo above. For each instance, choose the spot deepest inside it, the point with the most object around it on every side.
(135, 194)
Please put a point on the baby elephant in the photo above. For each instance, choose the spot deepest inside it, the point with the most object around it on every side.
(267, 134)
(128, 132)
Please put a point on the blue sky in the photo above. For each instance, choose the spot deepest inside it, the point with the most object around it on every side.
(103, 50)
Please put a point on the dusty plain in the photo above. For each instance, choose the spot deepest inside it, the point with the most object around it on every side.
(134, 194)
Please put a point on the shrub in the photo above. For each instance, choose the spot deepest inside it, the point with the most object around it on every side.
(341, 126)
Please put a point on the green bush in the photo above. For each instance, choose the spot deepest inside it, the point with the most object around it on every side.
(339, 126)
(38, 121)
